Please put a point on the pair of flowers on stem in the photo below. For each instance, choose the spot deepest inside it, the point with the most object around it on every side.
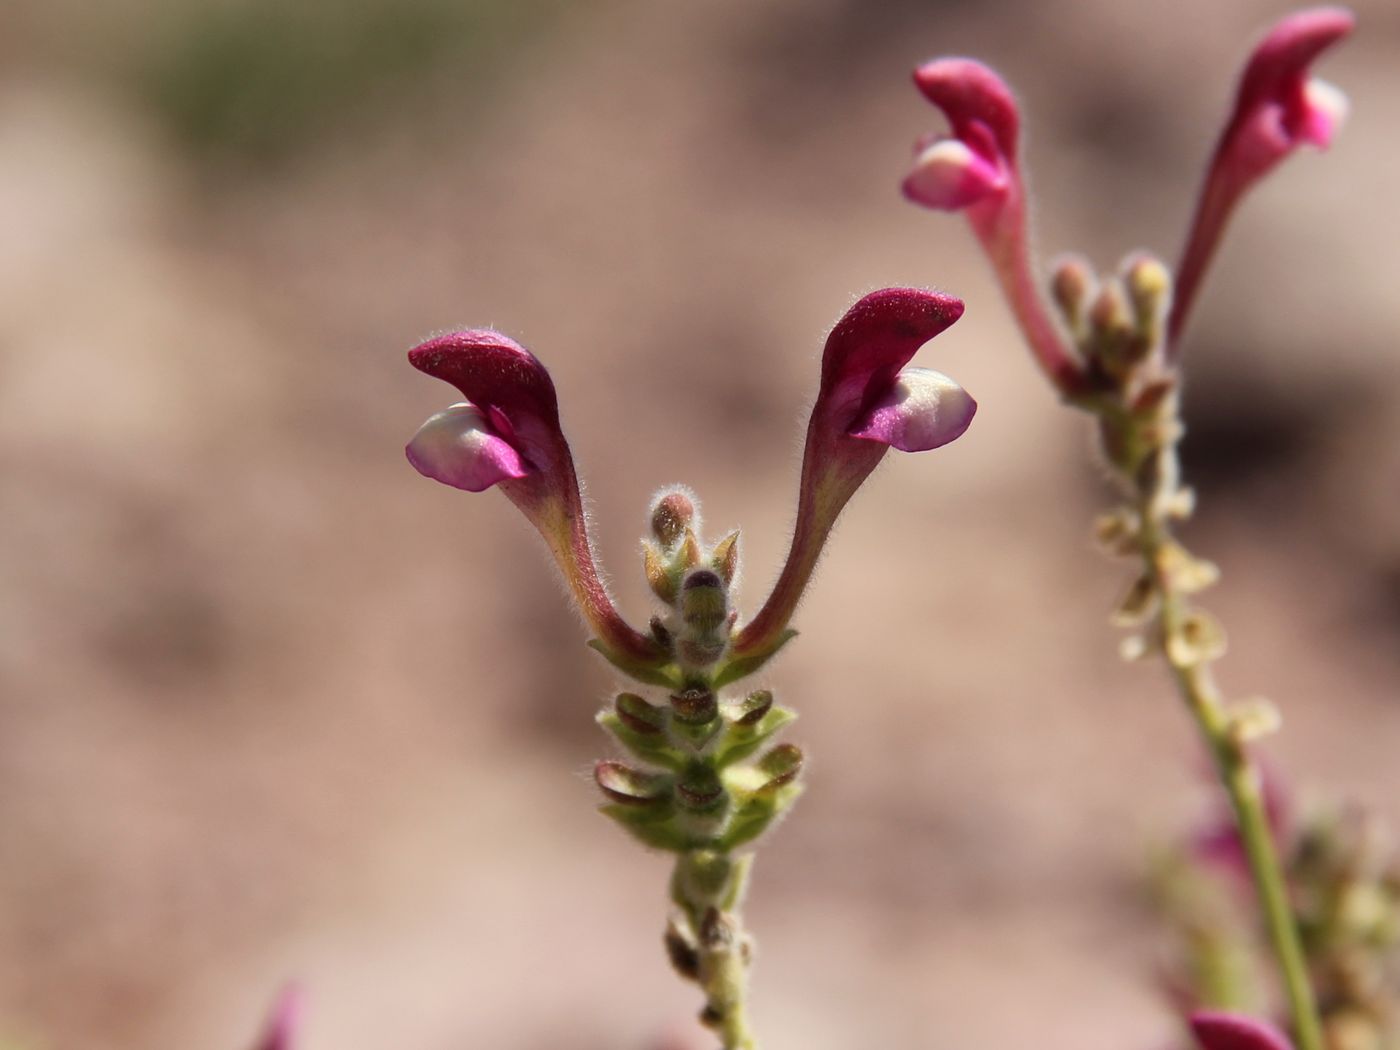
(1110, 346)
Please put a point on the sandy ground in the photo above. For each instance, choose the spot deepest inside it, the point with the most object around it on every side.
(273, 707)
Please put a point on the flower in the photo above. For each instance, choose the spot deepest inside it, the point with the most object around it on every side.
(507, 434)
(285, 1021)
(976, 170)
(1278, 107)
(867, 403)
(1217, 1030)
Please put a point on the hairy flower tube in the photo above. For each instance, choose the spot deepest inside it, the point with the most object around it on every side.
(1109, 345)
(707, 777)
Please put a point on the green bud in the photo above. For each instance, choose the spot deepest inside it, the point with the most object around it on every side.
(1149, 285)
(682, 950)
(699, 789)
(704, 601)
(750, 710)
(694, 707)
(1200, 640)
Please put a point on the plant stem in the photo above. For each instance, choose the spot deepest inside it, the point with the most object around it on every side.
(1238, 775)
(707, 941)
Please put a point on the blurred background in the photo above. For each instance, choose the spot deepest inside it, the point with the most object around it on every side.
(274, 707)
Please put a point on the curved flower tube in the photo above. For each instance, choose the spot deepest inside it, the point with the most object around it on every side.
(976, 170)
(1218, 1030)
(868, 402)
(1278, 108)
(507, 434)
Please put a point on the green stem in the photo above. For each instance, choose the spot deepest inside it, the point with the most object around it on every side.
(722, 948)
(1238, 776)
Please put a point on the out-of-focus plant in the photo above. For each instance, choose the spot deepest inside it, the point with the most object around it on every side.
(1110, 345)
(1344, 875)
(705, 778)
(258, 79)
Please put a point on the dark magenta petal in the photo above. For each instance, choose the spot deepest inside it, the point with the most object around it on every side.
(505, 381)
(285, 1023)
(971, 94)
(1218, 1030)
(509, 435)
(860, 372)
(1278, 107)
(870, 344)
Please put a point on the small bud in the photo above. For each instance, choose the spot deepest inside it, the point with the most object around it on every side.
(782, 765)
(1153, 396)
(639, 716)
(751, 710)
(725, 557)
(1149, 286)
(630, 786)
(704, 601)
(671, 516)
(694, 707)
(1111, 327)
(699, 789)
(1200, 640)
(1072, 285)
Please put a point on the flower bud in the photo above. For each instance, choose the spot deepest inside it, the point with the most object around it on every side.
(699, 789)
(704, 602)
(695, 706)
(751, 710)
(1072, 284)
(672, 513)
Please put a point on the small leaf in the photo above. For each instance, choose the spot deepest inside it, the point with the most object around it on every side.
(631, 787)
(656, 749)
(740, 740)
(725, 557)
(743, 666)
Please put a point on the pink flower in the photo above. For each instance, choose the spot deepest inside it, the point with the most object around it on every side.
(1278, 107)
(285, 1022)
(975, 169)
(868, 402)
(507, 433)
(1217, 1030)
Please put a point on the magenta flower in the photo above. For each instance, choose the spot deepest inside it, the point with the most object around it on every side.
(507, 433)
(868, 402)
(1217, 1030)
(976, 170)
(1278, 108)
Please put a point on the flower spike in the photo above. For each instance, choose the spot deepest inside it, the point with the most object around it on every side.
(507, 433)
(1278, 107)
(976, 171)
(868, 402)
(1217, 1030)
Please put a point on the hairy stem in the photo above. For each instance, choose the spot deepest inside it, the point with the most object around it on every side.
(715, 951)
(1238, 775)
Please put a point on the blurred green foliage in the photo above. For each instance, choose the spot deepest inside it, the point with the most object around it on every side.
(257, 79)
